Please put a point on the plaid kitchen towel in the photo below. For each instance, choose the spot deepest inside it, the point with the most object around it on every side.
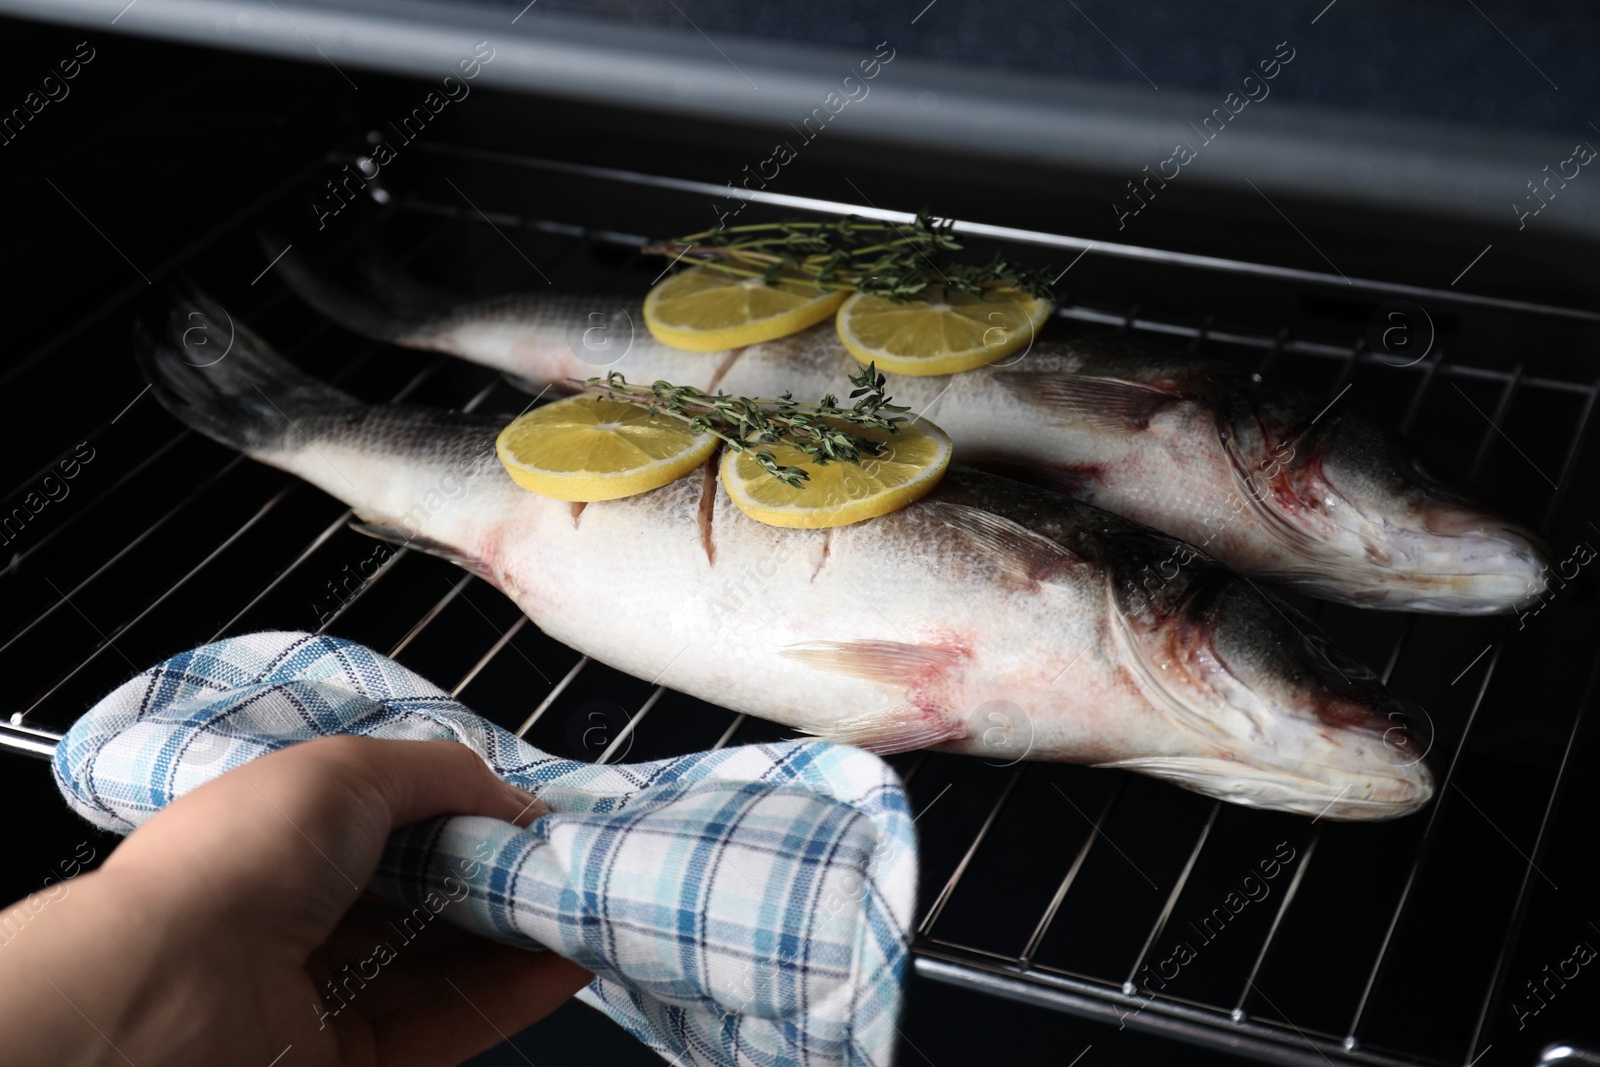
(743, 907)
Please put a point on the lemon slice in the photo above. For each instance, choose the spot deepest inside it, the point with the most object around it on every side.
(706, 310)
(590, 448)
(838, 494)
(946, 333)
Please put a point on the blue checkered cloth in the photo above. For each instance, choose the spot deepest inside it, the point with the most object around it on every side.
(749, 906)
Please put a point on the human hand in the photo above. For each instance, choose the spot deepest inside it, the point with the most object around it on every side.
(209, 935)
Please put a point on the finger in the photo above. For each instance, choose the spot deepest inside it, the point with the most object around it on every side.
(468, 1016)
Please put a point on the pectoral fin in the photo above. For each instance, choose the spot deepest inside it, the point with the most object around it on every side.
(1025, 555)
(890, 662)
(1110, 405)
(899, 728)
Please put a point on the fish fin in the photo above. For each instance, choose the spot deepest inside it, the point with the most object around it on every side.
(1240, 783)
(901, 728)
(217, 376)
(424, 544)
(1025, 555)
(891, 662)
(357, 313)
(1111, 405)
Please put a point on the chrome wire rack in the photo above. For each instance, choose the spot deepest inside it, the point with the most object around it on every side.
(1098, 893)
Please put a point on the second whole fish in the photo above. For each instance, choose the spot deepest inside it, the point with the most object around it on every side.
(1323, 503)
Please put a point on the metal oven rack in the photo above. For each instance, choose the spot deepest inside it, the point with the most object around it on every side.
(1062, 886)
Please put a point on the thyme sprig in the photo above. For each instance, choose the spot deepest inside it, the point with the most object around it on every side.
(895, 261)
(821, 431)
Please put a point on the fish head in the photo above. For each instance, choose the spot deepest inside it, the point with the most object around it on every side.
(1278, 716)
(1342, 494)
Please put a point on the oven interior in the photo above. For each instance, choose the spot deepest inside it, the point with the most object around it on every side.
(1422, 941)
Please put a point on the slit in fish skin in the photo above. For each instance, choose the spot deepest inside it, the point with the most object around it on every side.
(822, 557)
(722, 370)
(577, 510)
(707, 511)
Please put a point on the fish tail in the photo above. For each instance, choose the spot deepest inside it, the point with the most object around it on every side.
(366, 315)
(217, 376)
(395, 465)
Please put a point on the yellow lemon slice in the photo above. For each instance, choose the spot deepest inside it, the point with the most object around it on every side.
(706, 310)
(946, 333)
(590, 448)
(838, 494)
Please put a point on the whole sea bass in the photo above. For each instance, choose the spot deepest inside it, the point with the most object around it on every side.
(991, 617)
(1328, 505)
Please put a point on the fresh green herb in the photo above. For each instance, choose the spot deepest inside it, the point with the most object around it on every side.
(820, 430)
(884, 259)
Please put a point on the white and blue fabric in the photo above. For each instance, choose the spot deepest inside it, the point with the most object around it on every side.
(749, 906)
